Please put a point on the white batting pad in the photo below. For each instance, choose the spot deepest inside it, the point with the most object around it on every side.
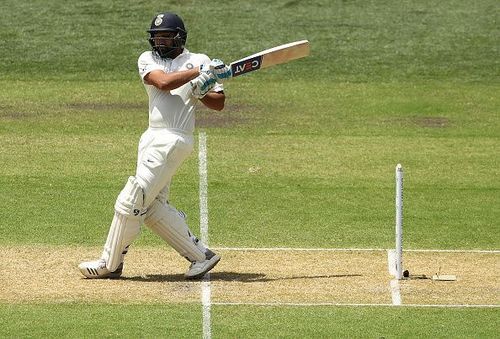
(130, 201)
(126, 224)
(122, 232)
(171, 226)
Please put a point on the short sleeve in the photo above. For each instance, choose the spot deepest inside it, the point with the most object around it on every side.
(146, 64)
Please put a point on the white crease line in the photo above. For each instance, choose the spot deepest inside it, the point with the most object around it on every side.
(395, 293)
(206, 292)
(391, 259)
(454, 251)
(395, 290)
(205, 284)
(276, 304)
(270, 249)
(202, 156)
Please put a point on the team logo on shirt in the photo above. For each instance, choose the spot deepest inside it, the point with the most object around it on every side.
(189, 66)
(159, 20)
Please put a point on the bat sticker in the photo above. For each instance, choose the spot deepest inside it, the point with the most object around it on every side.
(246, 65)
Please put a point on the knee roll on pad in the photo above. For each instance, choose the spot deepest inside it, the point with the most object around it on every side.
(130, 201)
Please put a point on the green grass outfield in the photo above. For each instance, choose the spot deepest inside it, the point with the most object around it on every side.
(303, 156)
(184, 321)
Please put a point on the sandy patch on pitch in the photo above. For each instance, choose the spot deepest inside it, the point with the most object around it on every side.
(50, 274)
(42, 273)
(302, 277)
(477, 281)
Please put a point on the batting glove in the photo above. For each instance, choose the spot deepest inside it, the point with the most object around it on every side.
(217, 67)
(220, 70)
(202, 84)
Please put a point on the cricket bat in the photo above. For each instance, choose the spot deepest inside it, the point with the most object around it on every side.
(270, 57)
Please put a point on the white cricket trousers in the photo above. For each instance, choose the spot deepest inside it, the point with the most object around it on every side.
(161, 152)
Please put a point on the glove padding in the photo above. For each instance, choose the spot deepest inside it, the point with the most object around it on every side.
(219, 70)
(202, 84)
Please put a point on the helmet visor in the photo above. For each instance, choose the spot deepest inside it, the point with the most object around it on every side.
(165, 43)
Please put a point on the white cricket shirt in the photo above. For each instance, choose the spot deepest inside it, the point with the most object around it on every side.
(172, 109)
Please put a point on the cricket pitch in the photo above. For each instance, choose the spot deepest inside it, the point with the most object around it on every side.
(155, 275)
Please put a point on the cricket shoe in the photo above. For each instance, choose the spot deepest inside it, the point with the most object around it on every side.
(97, 270)
(199, 268)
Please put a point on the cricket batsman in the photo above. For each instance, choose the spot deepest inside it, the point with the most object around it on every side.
(174, 79)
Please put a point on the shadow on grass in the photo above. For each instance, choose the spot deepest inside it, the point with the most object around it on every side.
(231, 276)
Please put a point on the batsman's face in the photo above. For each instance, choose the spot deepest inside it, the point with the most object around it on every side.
(165, 39)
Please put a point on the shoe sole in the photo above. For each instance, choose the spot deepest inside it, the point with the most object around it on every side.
(212, 262)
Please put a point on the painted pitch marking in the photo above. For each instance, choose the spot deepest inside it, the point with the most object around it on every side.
(205, 284)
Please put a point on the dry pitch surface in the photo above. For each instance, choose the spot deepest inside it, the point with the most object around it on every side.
(49, 274)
